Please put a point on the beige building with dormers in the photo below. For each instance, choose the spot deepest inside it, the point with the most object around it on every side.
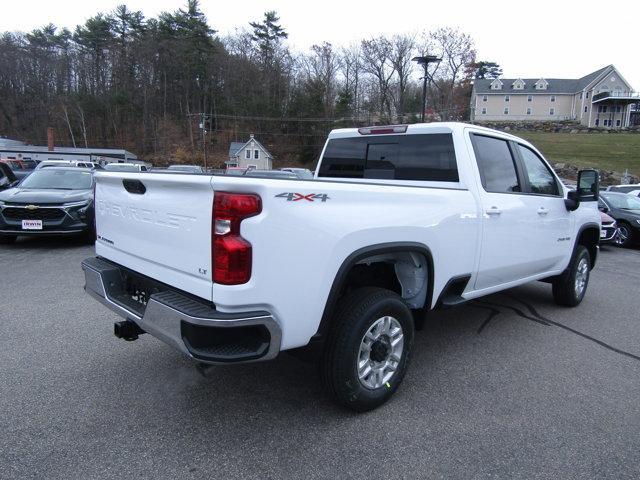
(601, 99)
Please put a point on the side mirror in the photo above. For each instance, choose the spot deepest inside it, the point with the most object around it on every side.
(603, 208)
(572, 202)
(588, 185)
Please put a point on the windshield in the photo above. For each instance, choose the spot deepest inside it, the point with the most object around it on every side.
(58, 179)
(625, 202)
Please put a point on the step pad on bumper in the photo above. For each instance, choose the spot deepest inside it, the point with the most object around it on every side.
(191, 325)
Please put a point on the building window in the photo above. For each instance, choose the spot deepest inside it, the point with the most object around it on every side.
(587, 94)
(506, 110)
(580, 95)
(247, 154)
(617, 122)
(506, 98)
(529, 111)
(484, 110)
(586, 108)
(484, 98)
(256, 154)
(529, 98)
(553, 98)
(618, 109)
(597, 122)
(552, 111)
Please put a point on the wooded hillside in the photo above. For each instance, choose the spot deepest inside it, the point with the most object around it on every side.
(125, 81)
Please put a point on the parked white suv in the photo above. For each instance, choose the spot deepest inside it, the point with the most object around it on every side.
(398, 221)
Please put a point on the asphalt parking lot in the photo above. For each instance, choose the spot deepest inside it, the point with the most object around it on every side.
(508, 387)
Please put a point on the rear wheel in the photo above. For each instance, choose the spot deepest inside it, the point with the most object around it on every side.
(7, 239)
(570, 287)
(368, 349)
(624, 235)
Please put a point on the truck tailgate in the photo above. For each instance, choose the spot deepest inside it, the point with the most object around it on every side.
(158, 225)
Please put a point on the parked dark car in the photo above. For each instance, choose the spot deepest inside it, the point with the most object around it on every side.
(20, 168)
(609, 229)
(52, 201)
(7, 177)
(623, 188)
(626, 210)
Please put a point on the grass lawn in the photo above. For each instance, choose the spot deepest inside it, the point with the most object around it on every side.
(614, 151)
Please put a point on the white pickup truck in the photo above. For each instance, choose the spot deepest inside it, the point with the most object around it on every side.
(398, 221)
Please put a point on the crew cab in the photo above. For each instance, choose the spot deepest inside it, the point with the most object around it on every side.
(398, 221)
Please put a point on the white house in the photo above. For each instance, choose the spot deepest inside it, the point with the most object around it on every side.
(249, 154)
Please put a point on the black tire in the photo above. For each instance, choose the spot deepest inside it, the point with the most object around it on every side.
(7, 239)
(356, 314)
(566, 291)
(624, 237)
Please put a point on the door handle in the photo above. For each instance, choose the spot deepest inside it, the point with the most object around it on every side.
(493, 211)
(543, 211)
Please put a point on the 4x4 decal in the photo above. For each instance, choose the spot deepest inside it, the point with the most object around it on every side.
(296, 197)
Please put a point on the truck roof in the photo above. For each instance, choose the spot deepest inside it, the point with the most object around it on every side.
(416, 128)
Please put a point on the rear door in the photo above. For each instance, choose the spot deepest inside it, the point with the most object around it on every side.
(158, 225)
(509, 242)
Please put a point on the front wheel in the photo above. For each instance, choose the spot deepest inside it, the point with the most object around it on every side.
(570, 287)
(368, 349)
(623, 238)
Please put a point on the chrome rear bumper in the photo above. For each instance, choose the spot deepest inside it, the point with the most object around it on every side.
(187, 323)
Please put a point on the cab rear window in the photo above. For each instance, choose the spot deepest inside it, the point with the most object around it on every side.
(428, 157)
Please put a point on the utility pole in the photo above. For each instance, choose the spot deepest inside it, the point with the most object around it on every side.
(425, 60)
(202, 125)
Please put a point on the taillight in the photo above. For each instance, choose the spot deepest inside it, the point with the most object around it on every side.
(231, 254)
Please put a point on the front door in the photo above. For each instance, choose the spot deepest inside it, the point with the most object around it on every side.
(545, 207)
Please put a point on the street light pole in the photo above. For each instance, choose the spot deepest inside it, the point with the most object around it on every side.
(425, 60)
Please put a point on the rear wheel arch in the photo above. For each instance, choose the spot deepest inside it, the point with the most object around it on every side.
(377, 254)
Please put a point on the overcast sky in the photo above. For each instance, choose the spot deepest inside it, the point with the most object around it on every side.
(529, 38)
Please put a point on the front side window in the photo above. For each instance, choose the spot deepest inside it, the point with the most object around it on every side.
(541, 180)
(496, 165)
(395, 157)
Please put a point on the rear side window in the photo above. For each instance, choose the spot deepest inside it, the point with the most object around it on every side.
(496, 164)
(428, 157)
(541, 180)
